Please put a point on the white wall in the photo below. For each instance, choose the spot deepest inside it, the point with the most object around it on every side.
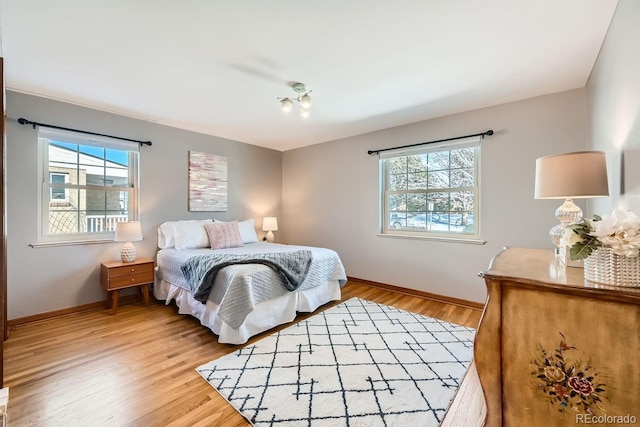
(331, 194)
(613, 96)
(330, 191)
(52, 278)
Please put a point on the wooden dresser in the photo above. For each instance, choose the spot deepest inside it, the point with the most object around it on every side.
(554, 350)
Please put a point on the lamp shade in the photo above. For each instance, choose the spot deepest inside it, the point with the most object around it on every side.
(128, 231)
(305, 101)
(580, 174)
(286, 104)
(270, 223)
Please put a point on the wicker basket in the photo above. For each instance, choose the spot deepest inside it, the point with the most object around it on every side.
(603, 266)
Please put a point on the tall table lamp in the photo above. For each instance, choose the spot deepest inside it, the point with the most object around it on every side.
(270, 224)
(577, 175)
(128, 232)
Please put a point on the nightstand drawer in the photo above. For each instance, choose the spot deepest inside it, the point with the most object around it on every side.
(130, 280)
(129, 270)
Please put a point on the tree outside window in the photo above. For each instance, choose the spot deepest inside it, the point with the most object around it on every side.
(431, 191)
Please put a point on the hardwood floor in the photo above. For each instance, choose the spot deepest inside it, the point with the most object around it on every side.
(137, 368)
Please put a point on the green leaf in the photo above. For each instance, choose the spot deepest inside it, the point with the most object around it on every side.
(580, 250)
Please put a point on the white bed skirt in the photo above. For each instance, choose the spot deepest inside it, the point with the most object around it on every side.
(266, 315)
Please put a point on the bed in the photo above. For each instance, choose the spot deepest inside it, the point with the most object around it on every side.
(245, 298)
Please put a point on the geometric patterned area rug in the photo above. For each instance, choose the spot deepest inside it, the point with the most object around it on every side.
(357, 364)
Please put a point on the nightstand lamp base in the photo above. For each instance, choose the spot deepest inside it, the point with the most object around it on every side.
(128, 253)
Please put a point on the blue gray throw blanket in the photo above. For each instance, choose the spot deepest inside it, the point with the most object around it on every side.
(200, 271)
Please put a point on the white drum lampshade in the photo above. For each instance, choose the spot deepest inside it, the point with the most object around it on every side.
(128, 232)
(577, 175)
(270, 224)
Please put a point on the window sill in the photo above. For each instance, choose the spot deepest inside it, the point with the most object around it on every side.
(70, 243)
(435, 238)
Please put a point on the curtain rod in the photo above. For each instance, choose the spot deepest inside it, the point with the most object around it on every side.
(483, 134)
(24, 121)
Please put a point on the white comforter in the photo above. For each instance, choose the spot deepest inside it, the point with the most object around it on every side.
(238, 289)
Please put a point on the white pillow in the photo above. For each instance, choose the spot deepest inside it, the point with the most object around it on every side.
(247, 230)
(166, 235)
(190, 235)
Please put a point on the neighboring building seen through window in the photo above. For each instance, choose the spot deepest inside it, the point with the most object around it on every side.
(431, 190)
(89, 185)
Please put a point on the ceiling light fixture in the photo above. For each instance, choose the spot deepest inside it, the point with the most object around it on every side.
(303, 98)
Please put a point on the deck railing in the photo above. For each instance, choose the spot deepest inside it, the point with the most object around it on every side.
(98, 223)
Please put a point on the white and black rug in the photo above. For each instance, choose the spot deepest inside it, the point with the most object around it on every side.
(356, 364)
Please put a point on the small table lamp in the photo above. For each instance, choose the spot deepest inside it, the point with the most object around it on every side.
(128, 232)
(270, 224)
(577, 175)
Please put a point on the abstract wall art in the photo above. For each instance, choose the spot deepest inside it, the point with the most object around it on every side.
(207, 182)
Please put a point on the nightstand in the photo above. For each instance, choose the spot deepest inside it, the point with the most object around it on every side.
(117, 275)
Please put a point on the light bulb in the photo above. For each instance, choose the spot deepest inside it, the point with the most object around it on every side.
(305, 101)
(286, 105)
(304, 112)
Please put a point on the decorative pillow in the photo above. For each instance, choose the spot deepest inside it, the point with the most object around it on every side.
(247, 230)
(190, 235)
(166, 238)
(224, 234)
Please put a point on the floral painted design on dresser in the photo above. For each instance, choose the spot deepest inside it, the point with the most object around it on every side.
(566, 382)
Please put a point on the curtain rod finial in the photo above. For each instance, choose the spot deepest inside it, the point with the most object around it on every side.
(24, 121)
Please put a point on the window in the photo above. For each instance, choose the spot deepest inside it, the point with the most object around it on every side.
(431, 190)
(59, 193)
(88, 184)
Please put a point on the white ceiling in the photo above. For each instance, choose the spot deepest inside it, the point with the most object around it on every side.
(218, 67)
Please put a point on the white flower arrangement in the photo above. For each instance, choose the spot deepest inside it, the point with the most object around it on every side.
(620, 232)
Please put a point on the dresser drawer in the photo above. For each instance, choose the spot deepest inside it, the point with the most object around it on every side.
(130, 280)
(129, 270)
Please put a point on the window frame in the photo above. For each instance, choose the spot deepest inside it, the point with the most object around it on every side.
(45, 187)
(385, 229)
(51, 188)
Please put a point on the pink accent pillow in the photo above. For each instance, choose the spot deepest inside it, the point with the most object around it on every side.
(224, 234)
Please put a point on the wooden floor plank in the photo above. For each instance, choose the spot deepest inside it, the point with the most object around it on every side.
(137, 368)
